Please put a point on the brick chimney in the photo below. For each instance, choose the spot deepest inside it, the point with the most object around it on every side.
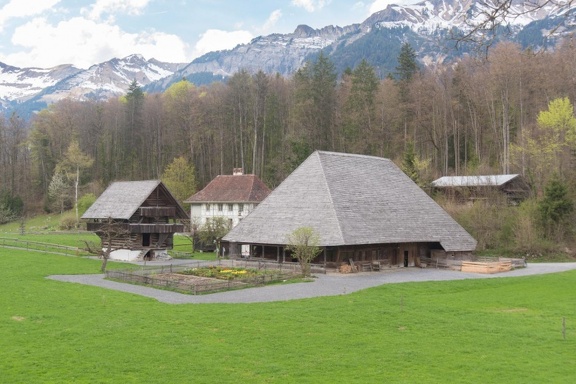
(237, 171)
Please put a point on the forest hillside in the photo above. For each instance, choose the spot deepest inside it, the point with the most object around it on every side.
(510, 111)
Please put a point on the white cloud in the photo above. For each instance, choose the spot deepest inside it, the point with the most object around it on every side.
(272, 20)
(217, 40)
(84, 42)
(359, 5)
(19, 8)
(130, 7)
(379, 5)
(310, 5)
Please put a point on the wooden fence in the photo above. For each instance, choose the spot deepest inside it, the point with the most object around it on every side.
(154, 277)
(259, 263)
(41, 247)
(441, 263)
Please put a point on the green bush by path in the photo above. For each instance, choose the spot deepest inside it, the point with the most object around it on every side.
(470, 331)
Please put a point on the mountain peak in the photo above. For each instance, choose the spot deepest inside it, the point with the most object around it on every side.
(425, 25)
(304, 31)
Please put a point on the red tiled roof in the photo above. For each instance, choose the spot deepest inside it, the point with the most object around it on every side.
(232, 188)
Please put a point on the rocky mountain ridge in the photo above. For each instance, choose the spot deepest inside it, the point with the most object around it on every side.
(427, 26)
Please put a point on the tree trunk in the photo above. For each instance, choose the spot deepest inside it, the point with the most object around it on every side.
(76, 195)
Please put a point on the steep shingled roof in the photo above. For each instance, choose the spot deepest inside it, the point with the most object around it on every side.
(122, 198)
(232, 188)
(351, 200)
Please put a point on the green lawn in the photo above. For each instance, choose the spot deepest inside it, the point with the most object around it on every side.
(475, 331)
(44, 229)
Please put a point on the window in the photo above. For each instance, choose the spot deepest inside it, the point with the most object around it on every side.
(230, 207)
(220, 207)
(240, 207)
(207, 207)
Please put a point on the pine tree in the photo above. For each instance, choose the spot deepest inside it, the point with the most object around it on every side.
(409, 163)
(555, 207)
(407, 65)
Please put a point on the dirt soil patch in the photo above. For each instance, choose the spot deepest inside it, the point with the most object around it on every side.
(191, 280)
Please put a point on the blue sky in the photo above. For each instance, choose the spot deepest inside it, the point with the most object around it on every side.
(46, 33)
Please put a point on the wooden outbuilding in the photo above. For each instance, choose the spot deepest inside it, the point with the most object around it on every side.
(469, 188)
(145, 214)
(365, 210)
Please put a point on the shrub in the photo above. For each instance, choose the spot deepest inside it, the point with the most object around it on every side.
(67, 223)
(11, 207)
(85, 202)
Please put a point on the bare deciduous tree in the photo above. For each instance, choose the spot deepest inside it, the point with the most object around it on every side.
(113, 235)
(490, 16)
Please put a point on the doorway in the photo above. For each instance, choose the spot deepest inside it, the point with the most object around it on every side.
(145, 239)
(406, 253)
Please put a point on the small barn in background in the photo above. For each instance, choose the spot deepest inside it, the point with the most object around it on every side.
(146, 212)
(469, 188)
(364, 208)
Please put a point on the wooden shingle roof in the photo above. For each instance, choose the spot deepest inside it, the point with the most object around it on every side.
(122, 198)
(232, 188)
(351, 200)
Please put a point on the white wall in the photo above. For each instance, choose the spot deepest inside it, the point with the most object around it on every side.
(199, 213)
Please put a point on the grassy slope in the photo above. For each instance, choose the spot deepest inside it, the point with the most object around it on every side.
(44, 229)
(495, 330)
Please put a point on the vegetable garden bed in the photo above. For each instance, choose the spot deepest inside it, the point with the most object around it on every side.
(202, 280)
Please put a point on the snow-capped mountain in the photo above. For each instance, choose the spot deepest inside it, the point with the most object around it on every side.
(279, 53)
(431, 15)
(109, 79)
(428, 26)
(20, 84)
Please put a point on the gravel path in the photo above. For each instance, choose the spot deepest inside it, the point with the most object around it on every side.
(330, 284)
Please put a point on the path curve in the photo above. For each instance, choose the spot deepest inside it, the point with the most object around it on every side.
(330, 284)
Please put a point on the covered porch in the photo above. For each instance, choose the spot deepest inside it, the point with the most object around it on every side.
(370, 257)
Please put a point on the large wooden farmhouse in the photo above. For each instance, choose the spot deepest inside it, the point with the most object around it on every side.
(469, 188)
(364, 208)
(144, 215)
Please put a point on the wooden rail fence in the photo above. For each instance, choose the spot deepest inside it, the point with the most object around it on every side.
(41, 247)
(154, 277)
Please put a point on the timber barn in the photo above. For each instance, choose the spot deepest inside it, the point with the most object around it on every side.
(364, 208)
(486, 187)
(146, 214)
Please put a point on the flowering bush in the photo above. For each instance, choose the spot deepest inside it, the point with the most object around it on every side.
(224, 273)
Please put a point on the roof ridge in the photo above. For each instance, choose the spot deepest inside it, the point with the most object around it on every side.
(342, 154)
(331, 199)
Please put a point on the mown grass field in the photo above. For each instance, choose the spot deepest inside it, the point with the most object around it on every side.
(45, 229)
(477, 331)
